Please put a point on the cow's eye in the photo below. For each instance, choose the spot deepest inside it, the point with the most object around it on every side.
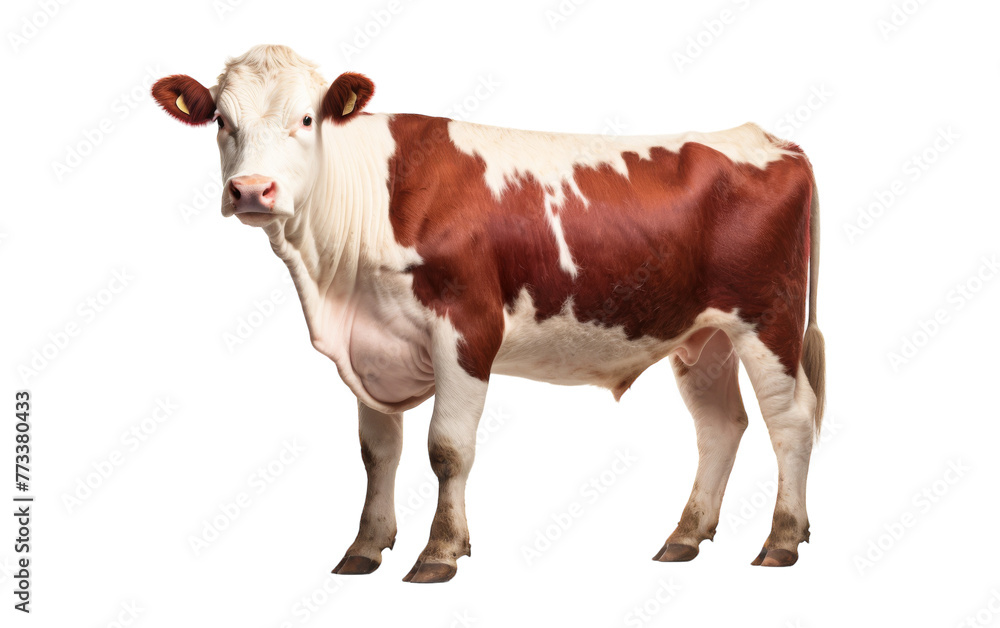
(307, 121)
(220, 122)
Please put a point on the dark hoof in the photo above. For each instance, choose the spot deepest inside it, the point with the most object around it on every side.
(676, 553)
(355, 565)
(775, 558)
(780, 558)
(430, 572)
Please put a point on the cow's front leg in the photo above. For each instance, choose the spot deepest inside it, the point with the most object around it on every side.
(381, 444)
(458, 405)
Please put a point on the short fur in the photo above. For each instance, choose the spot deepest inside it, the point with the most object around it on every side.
(340, 94)
(198, 99)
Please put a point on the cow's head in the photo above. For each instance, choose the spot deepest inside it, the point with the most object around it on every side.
(269, 105)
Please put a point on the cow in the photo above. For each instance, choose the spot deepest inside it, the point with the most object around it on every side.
(429, 254)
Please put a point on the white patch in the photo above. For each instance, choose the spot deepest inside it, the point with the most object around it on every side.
(333, 229)
(460, 399)
(261, 98)
(550, 158)
(563, 350)
(788, 405)
(710, 389)
(382, 435)
(458, 405)
(347, 267)
(553, 202)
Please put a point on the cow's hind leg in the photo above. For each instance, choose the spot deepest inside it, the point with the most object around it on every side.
(710, 388)
(381, 445)
(788, 405)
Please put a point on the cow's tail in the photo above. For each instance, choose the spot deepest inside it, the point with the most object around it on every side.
(813, 346)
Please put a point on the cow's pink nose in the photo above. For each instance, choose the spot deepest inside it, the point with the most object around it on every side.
(253, 193)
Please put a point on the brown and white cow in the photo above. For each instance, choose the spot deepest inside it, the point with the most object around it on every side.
(429, 253)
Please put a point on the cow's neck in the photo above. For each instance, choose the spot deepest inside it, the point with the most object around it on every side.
(341, 236)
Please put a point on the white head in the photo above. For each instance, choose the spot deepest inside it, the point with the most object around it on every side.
(269, 105)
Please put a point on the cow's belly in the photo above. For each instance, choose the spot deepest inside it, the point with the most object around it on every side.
(563, 350)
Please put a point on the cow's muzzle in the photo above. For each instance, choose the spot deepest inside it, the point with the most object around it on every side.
(253, 194)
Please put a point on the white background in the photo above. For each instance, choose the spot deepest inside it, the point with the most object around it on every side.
(892, 430)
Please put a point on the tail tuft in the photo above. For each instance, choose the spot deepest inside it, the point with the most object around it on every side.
(814, 364)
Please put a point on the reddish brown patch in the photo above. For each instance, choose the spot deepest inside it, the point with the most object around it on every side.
(340, 93)
(683, 232)
(197, 98)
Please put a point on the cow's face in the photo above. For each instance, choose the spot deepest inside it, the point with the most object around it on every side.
(270, 106)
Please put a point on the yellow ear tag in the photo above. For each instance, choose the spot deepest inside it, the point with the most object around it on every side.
(349, 107)
(181, 105)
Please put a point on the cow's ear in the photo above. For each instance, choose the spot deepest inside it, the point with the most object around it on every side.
(347, 96)
(185, 99)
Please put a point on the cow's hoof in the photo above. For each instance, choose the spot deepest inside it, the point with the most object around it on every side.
(431, 572)
(355, 566)
(775, 558)
(676, 553)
